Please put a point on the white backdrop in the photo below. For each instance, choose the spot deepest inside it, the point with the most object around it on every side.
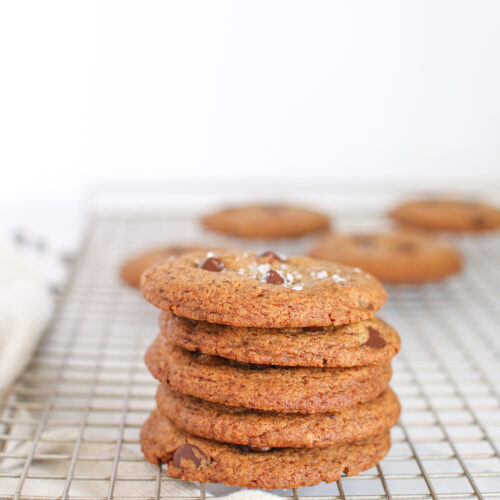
(153, 89)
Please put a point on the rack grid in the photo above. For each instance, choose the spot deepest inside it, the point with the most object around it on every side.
(70, 426)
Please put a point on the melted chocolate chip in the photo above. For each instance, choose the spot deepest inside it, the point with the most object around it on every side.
(375, 340)
(190, 454)
(274, 277)
(272, 256)
(212, 264)
(255, 449)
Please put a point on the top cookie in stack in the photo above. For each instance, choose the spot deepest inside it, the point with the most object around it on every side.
(274, 371)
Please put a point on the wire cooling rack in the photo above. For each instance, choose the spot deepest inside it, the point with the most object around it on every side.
(70, 426)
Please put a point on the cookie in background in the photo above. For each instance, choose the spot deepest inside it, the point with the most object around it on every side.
(447, 215)
(402, 257)
(266, 221)
(133, 267)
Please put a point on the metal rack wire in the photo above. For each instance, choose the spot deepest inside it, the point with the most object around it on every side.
(70, 426)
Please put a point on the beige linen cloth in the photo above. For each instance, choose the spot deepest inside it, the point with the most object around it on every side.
(25, 311)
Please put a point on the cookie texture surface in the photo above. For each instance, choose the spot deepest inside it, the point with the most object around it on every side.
(133, 268)
(402, 257)
(363, 343)
(197, 459)
(447, 215)
(264, 387)
(266, 221)
(241, 426)
(265, 291)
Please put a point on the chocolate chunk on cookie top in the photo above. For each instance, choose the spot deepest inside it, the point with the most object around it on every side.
(266, 221)
(264, 291)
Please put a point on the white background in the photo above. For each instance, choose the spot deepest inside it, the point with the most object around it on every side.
(159, 89)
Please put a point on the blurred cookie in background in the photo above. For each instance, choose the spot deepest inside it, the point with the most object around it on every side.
(393, 257)
(266, 221)
(133, 268)
(447, 215)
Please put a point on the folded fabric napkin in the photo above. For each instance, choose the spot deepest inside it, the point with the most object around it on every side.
(25, 310)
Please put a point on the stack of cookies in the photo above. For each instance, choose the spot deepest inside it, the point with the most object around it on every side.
(273, 371)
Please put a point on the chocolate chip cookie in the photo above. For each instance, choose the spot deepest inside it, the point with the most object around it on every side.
(393, 257)
(266, 221)
(197, 459)
(363, 343)
(265, 387)
(447, 215)
(265, 291)
(236, 425)
(133, 268)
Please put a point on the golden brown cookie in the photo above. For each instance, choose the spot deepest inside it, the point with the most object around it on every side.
(133, 268)
(231, 424)
(266, 221)
(264, 387)
(447, 215)
(265, 291)
(197, 459)
(402, 257)
(363, 343)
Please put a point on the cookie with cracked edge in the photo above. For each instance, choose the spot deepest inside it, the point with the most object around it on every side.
(363, 343)
(447, 215)
(197, 459)
(403, 257)
(266, 291)
(264, 387)
(231, 424)
(266, 221)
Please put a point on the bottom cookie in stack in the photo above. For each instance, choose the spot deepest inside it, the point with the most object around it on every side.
(197, 459)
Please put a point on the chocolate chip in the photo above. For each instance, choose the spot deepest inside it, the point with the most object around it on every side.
(272, 256)
(364, 241)
(407, 247)
(188, 454)
(375, 340)
(256, 449)
(274, 277)
(212, 264)
(479, 221)
(364, 303)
